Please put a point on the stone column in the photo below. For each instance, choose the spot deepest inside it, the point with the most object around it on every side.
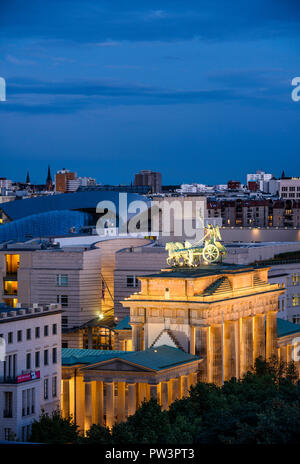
(192, 339)
(246, 345)
(192, 379)
(97, 403)
(202, 350)
(283, 353)
(164, 395)
(229, 350)
(183, 386)
(88, 406)
(80, 402)
(137, 336)
(65, 398)
(271, 335)
(142, 393)
(121, 416)
(175, 389)
(131, 399)
(237, 324)
(259, 337)
(72, 397)
(110, 404)
(216, 353)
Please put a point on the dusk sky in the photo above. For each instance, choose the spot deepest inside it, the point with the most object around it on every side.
(199, 90)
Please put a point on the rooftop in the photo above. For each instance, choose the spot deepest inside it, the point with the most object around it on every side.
(157, 359)
(204, 271)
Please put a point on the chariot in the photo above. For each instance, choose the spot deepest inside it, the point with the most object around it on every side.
(208, 250)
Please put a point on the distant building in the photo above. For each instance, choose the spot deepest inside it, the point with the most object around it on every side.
(289, 188)
(30, 375)
(234, 185)
(149, 178)
(61, 180)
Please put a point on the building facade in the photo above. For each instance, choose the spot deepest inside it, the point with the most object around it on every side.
(30, 368)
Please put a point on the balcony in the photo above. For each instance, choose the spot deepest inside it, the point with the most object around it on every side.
(8, 380)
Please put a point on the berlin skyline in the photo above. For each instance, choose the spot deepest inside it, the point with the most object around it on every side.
(200, 91)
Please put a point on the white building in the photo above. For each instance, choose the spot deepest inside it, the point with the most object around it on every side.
(30, 367)
(290, 188)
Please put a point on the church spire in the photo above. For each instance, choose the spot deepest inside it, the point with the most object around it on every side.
(27, 178)
(49, 183)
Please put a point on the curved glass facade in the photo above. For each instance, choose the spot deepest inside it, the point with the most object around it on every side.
(51, 223)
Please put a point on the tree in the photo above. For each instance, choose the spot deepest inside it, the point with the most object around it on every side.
(54, 429)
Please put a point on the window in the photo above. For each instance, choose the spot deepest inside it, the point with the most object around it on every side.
(19, 338)
(37, 359)
(8, 404)
(64, 321)
(8, 434)
(63, 300)
(46, 389)
(132, 281)
(45, 357)
(10, 337)
(295, 300)
(54, 329)
(54, 355)
(64, 344)
(37, 332)
(54, 386)
(28, 334)
(28, 361)
(62, 280)
(46, 330)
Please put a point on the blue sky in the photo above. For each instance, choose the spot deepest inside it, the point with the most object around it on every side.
(199, 90)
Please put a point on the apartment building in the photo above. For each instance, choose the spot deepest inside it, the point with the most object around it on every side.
(290, 188)
(30, 367)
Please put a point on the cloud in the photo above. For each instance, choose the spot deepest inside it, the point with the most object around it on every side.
(108, 23)
(18, 61)
(34, 96)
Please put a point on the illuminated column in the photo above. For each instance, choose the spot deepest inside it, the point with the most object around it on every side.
(192, 379)
(236, 325)
(192, 339)
(88, 406)
(202, 349)
(72, 397)
(259, 337)
(97, 403)
(283, 353)
(183, 386)
(80, 402)
(131, 399)
(246, 344)
(137, 336)
(142, 393)
(164, 395)
(216, 353)
(65, 398)
(271, 336)
(110, 404)
(229, 350)
(175, 389)
(121, 402)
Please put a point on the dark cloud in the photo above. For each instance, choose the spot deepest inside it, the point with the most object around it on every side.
(34, 96)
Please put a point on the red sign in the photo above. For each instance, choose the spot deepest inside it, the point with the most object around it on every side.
(30, 376)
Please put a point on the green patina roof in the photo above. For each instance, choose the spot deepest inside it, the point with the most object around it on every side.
(204, 270)
(124, 324)
(159, 358)
(285, 328)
